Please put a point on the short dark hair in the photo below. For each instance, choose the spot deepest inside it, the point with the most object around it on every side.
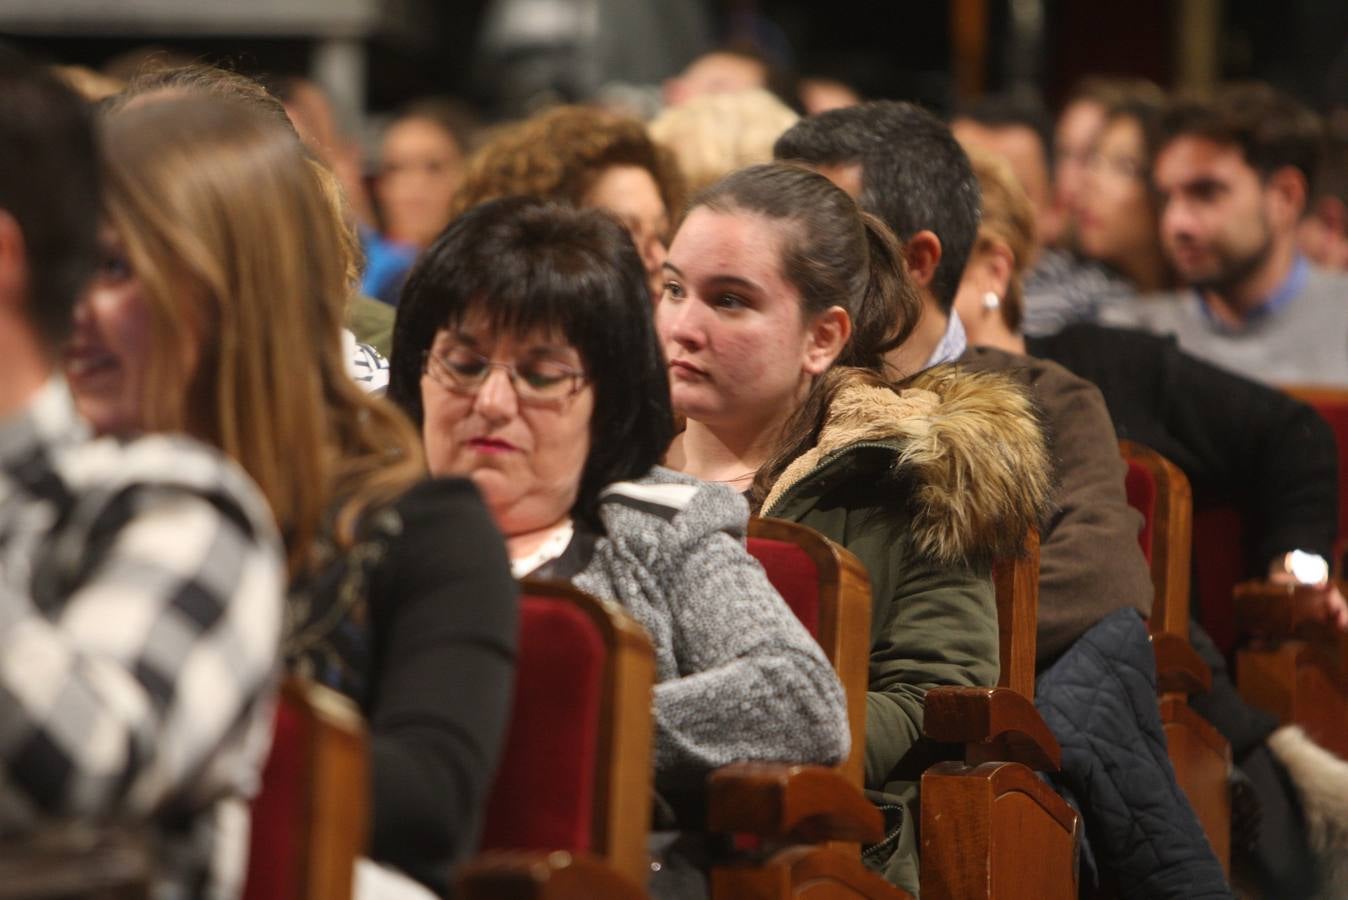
(529, 264)
(1270, 128)
(49, 184)
(1010, 111)
(914, 175)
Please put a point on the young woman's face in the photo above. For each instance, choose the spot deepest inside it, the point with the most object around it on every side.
(108, 355)
(1114, 216)
(420, 169)
(731, 323)
(524, 438)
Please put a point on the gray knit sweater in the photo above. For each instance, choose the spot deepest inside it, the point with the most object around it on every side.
(738, 677)
(1304, 341)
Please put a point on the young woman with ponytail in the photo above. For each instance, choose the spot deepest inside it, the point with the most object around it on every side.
(780, 303)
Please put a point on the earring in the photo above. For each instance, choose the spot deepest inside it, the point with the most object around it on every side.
(991, 301)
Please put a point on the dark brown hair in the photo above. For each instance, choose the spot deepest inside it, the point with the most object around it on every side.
(1271, 129)
(834, 254)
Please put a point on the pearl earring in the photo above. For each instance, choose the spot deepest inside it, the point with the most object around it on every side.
(991, 301)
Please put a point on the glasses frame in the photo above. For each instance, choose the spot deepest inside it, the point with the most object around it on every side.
(439, 371)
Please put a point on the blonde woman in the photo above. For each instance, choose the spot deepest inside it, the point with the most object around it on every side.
(714, 134)
(218, 313)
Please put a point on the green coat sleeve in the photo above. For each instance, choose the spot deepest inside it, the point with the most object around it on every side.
(933, 624)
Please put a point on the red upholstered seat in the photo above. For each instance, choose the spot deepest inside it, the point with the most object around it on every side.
(1219, 565)
(311, 815)
(543, 796)
(1141, 489)
(274, 850)
(1332, 405)
(794, 574)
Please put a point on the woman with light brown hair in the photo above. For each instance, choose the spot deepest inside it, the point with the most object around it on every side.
(587, 158)
(217, 312)
(990, 301)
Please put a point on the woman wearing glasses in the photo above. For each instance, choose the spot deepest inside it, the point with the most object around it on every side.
(525, 352)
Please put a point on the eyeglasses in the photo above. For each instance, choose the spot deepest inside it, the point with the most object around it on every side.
(536, 382)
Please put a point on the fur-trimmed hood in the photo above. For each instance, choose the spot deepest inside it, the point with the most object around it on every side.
(970, 443)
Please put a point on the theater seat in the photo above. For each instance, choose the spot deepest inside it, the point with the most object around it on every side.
(569, 810)
(800, 827)
(311, 816)
(1200, 756)
(991, 828)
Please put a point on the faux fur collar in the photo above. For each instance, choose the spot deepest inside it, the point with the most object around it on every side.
(972, 444)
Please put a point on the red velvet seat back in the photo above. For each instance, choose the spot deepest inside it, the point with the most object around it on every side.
(279, 811)
(1219, 565)
(1333, 407)
(795, 576)
(543, 795)
(1142, 490)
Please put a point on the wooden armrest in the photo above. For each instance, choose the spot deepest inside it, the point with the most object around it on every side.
(1279, 611)
(1179, 668)
(790, 804)
(994, 724)
(539, 875)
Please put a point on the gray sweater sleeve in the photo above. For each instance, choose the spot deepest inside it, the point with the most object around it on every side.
(752, 683)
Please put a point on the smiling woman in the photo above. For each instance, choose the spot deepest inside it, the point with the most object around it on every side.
(526, 353)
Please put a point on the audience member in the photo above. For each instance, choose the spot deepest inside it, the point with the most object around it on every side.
(231, 271)
(902, 161)
(1233, 174)
(1110, 247)
(421, 167)
(715, 134)
(776, 284)
(736, 67)
(1020, 133)
(564, 442)
(1323, 232)
(312, 114)
(1078, 128)
(140, 581)
(1241, 443)
(1115, 213)
(587, 158)
(820, 94)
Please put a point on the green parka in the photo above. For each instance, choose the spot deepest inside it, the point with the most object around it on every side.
(926, 485)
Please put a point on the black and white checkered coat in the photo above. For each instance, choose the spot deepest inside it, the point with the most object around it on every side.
(140, 606)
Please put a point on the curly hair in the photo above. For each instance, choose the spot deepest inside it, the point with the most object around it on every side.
(558, 155)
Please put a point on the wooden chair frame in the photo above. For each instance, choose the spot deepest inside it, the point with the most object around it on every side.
(1199, 754)
(335, 820)
(810, 819)
(618, 864)
(990, 827)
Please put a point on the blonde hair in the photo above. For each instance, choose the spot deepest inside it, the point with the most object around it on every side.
(232, 230)
(1008, 216)
(715, 134)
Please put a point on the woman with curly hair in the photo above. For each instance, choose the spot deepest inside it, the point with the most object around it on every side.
(585, 157)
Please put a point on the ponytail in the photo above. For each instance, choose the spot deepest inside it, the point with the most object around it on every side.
(889, 306)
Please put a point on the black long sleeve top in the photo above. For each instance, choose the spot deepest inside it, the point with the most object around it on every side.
(1238, 442)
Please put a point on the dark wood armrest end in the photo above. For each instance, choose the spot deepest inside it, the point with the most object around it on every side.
(994, 724)
(790, 804)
